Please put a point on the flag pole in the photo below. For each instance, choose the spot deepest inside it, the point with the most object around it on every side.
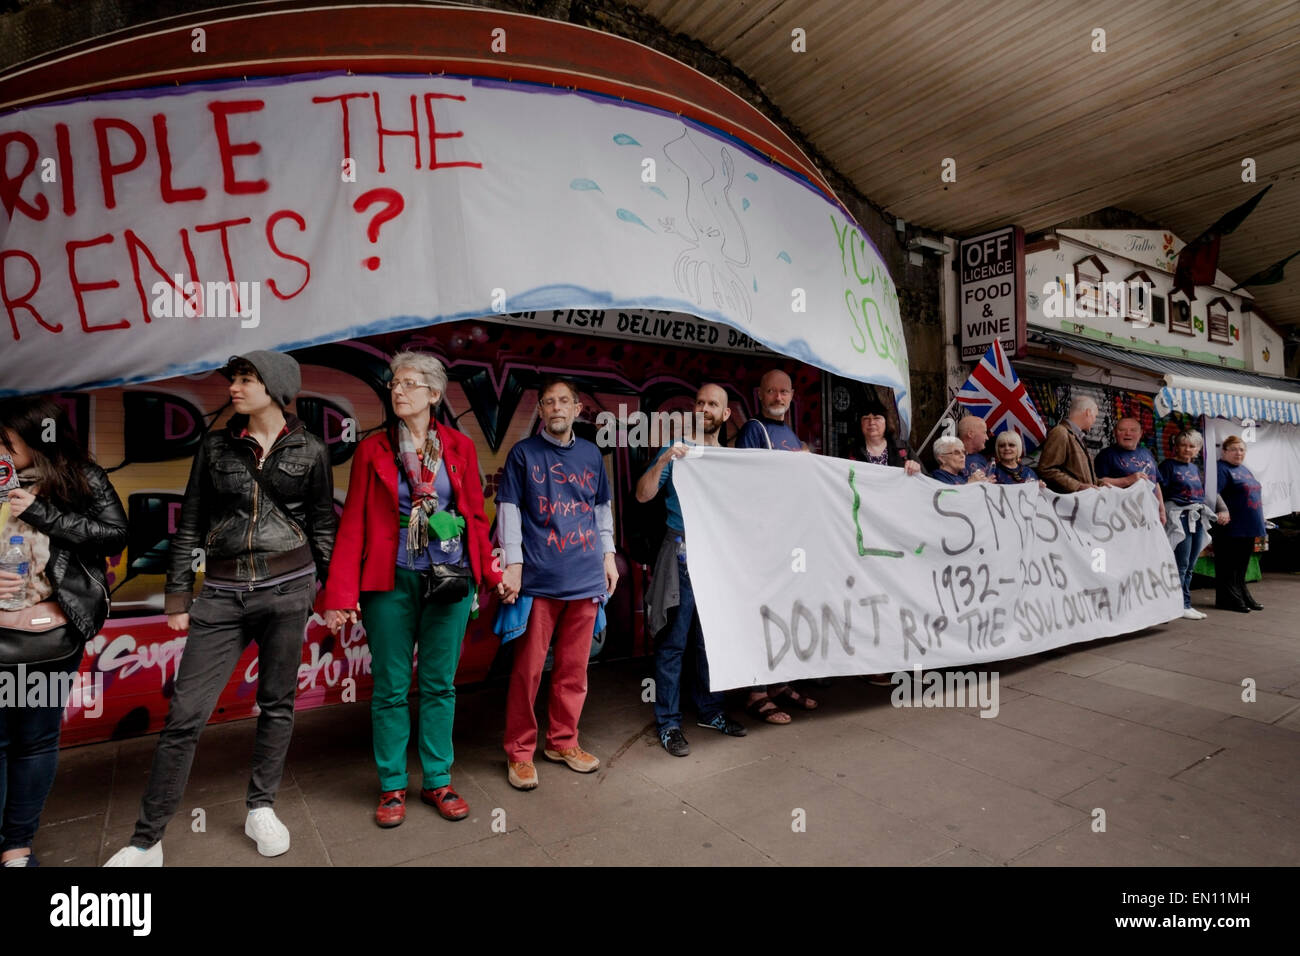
(925, 444)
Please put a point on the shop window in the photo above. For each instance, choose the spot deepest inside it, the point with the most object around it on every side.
(1137, 295)
(1180, 315)
(1089, 288)
(1217, 321)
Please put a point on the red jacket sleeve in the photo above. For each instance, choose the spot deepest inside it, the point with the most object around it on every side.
(343, 585)
(472, 490)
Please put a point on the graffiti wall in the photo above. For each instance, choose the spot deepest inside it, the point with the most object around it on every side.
(147, 435)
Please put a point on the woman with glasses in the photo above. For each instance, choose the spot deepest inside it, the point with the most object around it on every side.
(411, 552)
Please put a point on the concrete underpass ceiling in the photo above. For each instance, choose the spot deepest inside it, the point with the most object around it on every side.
(1042, 129)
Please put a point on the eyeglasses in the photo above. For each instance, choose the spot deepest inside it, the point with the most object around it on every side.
(406, 385)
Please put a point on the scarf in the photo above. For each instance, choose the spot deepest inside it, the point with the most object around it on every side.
(421, 472)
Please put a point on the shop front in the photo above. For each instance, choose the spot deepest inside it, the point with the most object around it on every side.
(541, 210)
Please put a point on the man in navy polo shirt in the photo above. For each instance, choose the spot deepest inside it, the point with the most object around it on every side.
(557, 531)
(974, 434)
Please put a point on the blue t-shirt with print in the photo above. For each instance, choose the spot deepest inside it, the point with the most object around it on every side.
(782, 435)
(1115, 461)
(434, 553)
(1018, 476)
(948, 477)
(974, 462)
(1242, 494)
(1182, 483)
(557, 490)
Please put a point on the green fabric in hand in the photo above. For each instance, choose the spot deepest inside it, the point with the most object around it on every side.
(444, 525)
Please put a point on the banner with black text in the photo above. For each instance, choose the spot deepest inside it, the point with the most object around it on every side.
(805, 566)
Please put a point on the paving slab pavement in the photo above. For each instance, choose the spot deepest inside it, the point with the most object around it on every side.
(1151, 728)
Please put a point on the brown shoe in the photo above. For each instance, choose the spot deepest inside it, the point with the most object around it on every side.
(521, 774)
(392, 808)
(577, 759)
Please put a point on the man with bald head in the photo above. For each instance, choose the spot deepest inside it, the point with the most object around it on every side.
(768, 429)
(671, 588)
(1127, 461)
(974, 434)
(1064, 463)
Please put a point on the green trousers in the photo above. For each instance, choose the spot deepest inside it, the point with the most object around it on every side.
(397, 623)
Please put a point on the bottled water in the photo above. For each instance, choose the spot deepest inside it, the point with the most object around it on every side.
(15, 560)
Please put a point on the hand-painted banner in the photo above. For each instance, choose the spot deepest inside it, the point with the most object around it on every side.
(150, 235)
(805, 566)
(1272, 455)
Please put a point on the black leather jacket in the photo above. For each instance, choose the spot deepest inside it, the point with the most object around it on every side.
(79, 543)
(245, 537)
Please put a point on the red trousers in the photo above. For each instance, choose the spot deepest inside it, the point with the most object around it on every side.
(571, 624)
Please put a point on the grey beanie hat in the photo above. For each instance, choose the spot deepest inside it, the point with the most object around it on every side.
(280, 373)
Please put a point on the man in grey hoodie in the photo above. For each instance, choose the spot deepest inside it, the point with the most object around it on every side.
(259, 516)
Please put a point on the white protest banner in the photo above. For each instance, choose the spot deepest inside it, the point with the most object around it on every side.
(151, 235)
(1272, 455)
(805, 566)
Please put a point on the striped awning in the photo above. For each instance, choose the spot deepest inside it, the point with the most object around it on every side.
(1218, 400)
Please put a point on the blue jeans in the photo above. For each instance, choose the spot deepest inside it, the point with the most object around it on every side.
(671, 648)
(29, 756)
(1186, 553)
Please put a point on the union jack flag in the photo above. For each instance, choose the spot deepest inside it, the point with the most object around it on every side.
(995, 393)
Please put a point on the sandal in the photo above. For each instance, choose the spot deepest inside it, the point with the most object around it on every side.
(791, 696)
(763, 709)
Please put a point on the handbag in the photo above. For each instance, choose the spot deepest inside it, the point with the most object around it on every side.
(36, 635)
(445, 584)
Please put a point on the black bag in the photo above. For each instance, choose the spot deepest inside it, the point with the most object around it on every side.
(445, 584)
(36, 635)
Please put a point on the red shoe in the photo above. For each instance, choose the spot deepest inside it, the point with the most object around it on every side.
(447, 802)
(392, 808)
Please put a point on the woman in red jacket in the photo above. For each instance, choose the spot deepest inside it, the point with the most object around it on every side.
(412, 549)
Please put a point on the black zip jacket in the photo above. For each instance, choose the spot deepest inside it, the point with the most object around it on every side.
(79, 543)
(245, 537)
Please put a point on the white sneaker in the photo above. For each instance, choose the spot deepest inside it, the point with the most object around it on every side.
(1193, 615)
(134, 856)
(264, 827)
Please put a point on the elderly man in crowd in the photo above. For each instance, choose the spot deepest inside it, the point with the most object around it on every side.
(974, 434)
(1127, 462)
(1064, 463)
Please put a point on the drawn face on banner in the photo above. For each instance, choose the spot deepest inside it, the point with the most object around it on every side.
(1128, 433)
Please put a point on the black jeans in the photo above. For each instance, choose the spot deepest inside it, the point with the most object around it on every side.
(1231, 558)
(222, 624)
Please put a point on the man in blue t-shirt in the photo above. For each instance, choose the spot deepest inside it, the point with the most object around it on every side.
(671, 587)
(769, 430)
(974, 434)
(1126, 462)
(557, 531)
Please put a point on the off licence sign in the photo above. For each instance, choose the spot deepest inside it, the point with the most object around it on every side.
(992, 292)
